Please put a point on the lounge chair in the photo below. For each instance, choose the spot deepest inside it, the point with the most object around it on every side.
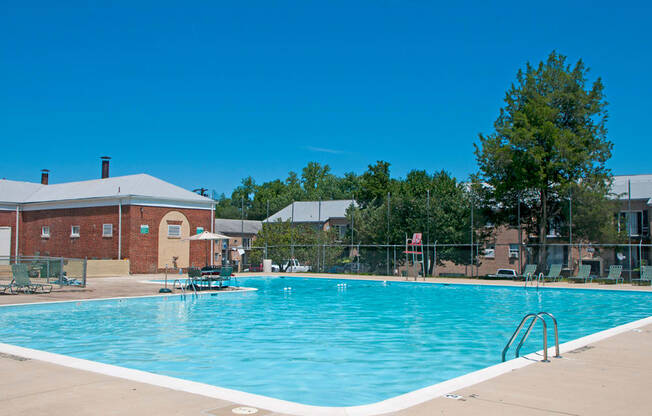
(225, 274)
(645, 277)
(554, 273)
(583, 274)
(22, 281)
(615, 274)
(10, 287)
(530, 271)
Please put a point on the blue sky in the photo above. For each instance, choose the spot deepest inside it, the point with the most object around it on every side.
(206, 93)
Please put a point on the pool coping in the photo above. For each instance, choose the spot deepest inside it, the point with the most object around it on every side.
(393, 404)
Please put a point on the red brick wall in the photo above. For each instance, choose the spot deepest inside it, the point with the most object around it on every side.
(8, 219)
(140, 249)
(143, 248)
(90, 244)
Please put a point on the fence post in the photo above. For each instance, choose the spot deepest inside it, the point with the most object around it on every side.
(61, 272)
(84, 272)
(434, 264)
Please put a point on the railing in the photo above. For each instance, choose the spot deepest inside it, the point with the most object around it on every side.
(63, 271)
(534, 317)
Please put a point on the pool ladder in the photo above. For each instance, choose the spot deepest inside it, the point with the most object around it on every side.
(534, 318)
(532, 277)
(183, 289)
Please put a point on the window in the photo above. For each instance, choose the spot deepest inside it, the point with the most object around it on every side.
(74, 231)
(107, 230)
(513, 251)
(174, 230)
(490, 251)
(246, 243)
(45, 231)
(630, 222)
(341, 230)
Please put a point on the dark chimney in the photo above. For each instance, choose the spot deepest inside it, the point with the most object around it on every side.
(45, 175)
(105, 166)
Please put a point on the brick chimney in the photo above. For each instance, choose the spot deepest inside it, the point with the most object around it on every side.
(45, 176)
(105, 166)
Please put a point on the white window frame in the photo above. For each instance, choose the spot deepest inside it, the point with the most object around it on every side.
(490, 251)
(514, 252)
(176, 234)
(45, 231)
(74, 234)
(104, 229)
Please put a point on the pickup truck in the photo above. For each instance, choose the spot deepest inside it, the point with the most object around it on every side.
(291, 266)
(504, 274)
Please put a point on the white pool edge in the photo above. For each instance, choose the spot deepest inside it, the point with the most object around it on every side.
(393, 404)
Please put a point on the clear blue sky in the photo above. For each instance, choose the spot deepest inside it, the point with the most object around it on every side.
(169, 88)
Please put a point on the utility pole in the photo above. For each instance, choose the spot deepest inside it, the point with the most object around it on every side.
(427, 233)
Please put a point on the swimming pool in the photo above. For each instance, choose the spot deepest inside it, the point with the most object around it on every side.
(322, 342)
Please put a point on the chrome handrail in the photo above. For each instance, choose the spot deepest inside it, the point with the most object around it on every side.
(534, 317)
(554, 321)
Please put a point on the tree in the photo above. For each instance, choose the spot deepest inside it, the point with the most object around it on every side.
(550, 135)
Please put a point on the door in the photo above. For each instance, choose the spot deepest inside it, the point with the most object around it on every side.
(5, 244)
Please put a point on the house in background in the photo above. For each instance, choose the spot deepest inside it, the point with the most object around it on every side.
(242, 233)
(323, 215)
(135, 217)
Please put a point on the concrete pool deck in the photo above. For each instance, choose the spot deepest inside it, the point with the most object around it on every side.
(610, 376)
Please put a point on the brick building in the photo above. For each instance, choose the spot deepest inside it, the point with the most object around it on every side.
(136, 217)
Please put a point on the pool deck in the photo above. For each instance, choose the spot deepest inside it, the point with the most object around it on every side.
(608, 377)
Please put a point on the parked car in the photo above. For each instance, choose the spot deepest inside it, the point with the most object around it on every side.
(254, 268)
(504, 274)
(291, 266)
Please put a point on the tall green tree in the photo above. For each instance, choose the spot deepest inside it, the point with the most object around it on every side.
(550, 134)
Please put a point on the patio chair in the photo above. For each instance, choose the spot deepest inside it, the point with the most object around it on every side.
(225, 275)
(645, 277)
(22, 281)
(530, 270)
(615, 274)
(583, 274)
(10, 287)
(554, 273)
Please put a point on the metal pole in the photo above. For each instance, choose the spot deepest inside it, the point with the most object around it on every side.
(352, 223)
(267, 221)
(570, 227)
(427, 265)
(387, 233)
(520, 235)
(407, 262)
(119, 229)
(629, 225)
(292, 233)
(471, 233)
(434, 265)
(17, 231)
(321, 230)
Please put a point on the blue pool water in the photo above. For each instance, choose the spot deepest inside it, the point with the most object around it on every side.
(319, 343)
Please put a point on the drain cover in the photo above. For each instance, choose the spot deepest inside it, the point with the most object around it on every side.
(244, 410)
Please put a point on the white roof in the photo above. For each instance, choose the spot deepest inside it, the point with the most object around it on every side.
(641, 186)
(309, 211)
(227, 226)
(141, 185)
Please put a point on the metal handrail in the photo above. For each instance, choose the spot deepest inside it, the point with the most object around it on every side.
(554, 321)
(518, 330)
(534, 317)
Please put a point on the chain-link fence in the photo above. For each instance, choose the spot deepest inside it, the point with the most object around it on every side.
(59, 271)
(454, 260)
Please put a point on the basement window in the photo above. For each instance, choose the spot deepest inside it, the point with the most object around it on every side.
(45, 231)
(74, 231)
(107, 230)
(174, 230)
